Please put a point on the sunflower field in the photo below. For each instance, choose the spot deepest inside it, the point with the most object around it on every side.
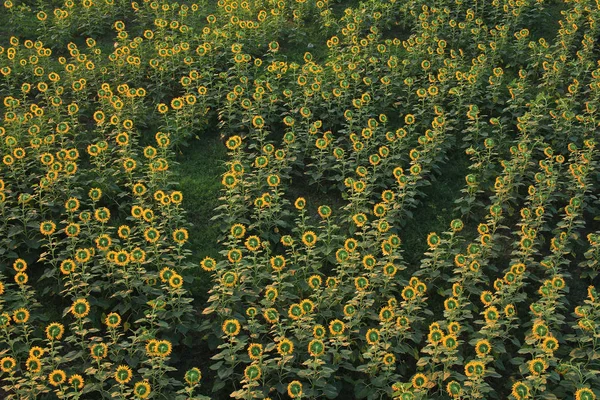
(275, 199)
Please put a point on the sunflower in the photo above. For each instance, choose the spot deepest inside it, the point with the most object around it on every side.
(450, 342)
(558, 282)
(122, 139)
(57, 377)
(255, 351)
(20, 316)
(361, 283)
(337, 327)
(491, 315)
(151, 348)
(550, 344)
(229, 279)
(537, 366)
(47, 228)
(316, 348)
(253, 243)
(33, 364)
(389, 270)
(278, 262)
(294, 389)
(456, 225)
(122, 258)
(82, 255)
(55, 331)
(592, 293)
(162, 108)
(102, 214)
(273, 180)
(307, 306)
(8, 160)
(234, 255)
(229, 180)
(99, 117)
(433, 240)
(180, 236)
(369, 262)
(252, 372)
(486, 297)
(163, 348)
(372, 336)
(129, 164)
(80, 308)
(309, 238)
(36, 352)
(123, 374)
(483, 348)
(193, 376)
(76, 381)
(124, 231)
(112, 320)
(103, 242)
(359, 219)
(137, 255)
(520, 390)
(208, 264)
(435, 336)
(165, 274)
(67, 266)
(388, 359)
(142, 389)
(7, 364)
(341, 255)
(408, 293)
(176, 197)
(5, 319)
(21, 278)
(324, 211)
(419, 381)
(300, 203)
(386, 248)
(540, 330)
(285, 347)
(359, 186)
(231, 327)
(258, 121)
(314, 281)
(72, 230)
(451, 303)
(271, 315)
(585, 394)
(350, 245)
(152, 235)
(148, 215)
(175, 281)
(454, 389)
(295, 311)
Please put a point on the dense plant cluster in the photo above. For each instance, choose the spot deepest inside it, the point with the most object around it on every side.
(329, 152)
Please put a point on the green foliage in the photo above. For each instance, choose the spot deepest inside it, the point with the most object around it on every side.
(299, 199)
